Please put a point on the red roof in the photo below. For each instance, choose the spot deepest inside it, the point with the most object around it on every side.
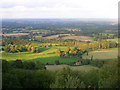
(78, 63)
(66, 55)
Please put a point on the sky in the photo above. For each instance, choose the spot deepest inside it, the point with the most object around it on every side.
(59, 8)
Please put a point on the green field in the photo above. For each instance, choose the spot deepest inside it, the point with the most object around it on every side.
(38, 42)
(41, 30)
(0, 47)
(114, 40)
(79, 68)
(46, 55)
(102, 54)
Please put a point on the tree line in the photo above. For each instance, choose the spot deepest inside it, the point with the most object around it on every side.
(20, 76)
(25, 45)
(99, 44)
(20, 48)
(18, 45)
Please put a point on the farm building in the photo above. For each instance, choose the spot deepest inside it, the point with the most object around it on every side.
(78, 63)
(65, 55)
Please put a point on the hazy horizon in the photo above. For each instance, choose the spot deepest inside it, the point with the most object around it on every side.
(59, 9)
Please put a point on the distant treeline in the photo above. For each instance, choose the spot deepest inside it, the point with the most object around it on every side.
(104, 36)
(16, 45)
(58, 26)
(99, 44)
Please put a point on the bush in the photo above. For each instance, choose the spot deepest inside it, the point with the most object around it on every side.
(28, 65)
(71, 63)
(86, 62)
(5, 66)
(97, 63)
(66, 78)
(57, 62)
(109, 75)
(39, 65)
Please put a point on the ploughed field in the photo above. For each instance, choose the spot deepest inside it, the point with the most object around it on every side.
(69, 36)
(79, 38)
(15, 34)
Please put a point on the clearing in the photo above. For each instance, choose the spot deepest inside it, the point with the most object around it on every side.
(79, 68)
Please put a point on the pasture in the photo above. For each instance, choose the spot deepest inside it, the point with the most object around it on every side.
(114, 40)
(102, 54)
(40, 30)
(38, 42)
(46, 55)
(84, 68)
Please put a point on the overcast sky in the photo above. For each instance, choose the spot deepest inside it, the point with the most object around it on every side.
(59, 8)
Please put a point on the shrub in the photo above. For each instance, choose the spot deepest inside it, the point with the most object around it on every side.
(57, 62)
(39, 65)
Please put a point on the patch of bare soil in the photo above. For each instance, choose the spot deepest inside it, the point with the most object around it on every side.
(15, 34)
(102, 51)
(81, 38)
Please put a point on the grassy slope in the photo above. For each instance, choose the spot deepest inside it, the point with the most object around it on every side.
(44, 56)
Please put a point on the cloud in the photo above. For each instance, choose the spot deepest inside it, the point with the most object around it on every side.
(58, 8)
